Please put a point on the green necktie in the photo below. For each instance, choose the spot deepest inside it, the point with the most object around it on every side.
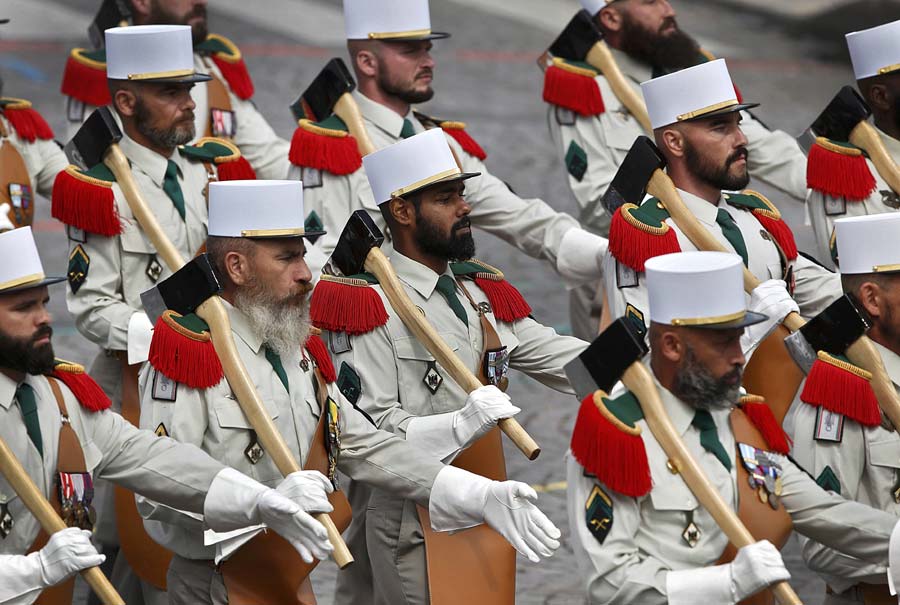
(709, 437)
(446, 285)
(407, 130)
(732, 233)
(28, 407)
(275, 360)
(172, 188)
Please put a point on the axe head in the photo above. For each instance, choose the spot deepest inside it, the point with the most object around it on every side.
(359, 236)
(832, 331)
(95, 136)
(317, 102)
(630, 183)
(112, 13)
(842, 115)
(183, 291)
(602, 364)
(577, 39)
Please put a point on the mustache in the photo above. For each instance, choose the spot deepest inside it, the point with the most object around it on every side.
(734, 376)
(42, 332)
(740, 154)
(668, 22)
(462, 224)
(425, 72)
(199, 11)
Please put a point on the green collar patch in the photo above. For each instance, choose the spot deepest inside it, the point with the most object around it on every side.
(626, 408)
(576, 161)
(210, 149)
(471, 267)
(745, 201)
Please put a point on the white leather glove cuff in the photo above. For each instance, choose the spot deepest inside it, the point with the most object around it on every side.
(708, 585)
(232, 501)
(21, 577)
(5, 223)
(434, 434)
(140, 333)
(580, 257)
(457, 499)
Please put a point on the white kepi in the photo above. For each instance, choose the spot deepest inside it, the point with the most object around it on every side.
(22, 268)
(151, 53)
(411, 165)
(257, 209)
(389, 20)
(875, 51)
(694, 93)
(699, 290)
(868, 244)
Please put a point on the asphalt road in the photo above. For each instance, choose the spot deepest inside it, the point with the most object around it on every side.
(486, 75)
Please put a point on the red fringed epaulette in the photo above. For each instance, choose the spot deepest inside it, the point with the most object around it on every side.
(25, 120)
(347, 304)
(325, 146)
(768, 216)
(85, 200)
(316, 348)
(573, 87)
(636, 235)
(839, 170)
(86, 391)
(842, 388)
(84, 77)
(506, 301)
(228, 58)
(607, 442)
(457, 130)
(230, 164)
(759, 413)
(182, 350)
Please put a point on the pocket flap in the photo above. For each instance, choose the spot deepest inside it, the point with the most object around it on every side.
(231, 416)
(133, 240)
(885, 452)
(408, 347)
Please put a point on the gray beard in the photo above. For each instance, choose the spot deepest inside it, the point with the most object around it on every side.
(697, 387)
(282, 325)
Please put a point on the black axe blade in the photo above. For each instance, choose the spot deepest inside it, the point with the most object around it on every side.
(846, 110)
(577, 39)
(184, 290)
(317, 101)
(841, 324)
(602, 364)
(359, 236)
(630, 183)
(95, 136)
(112, 13)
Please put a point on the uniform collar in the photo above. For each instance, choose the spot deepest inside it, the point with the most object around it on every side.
(682, 415)
(240, 325)
(701, 208)
(151, 163)
(638, 71)
(891, 362)
(8, 388)
(892, 144)
(383, 117)
(421, 278)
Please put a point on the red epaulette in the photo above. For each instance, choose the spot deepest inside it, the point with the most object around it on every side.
(84, 77)
(25, 120)
(768, 216)
(507, 303)
(230, 164)
(839, 170)
(230, 61)
(86, 391)
(182, 350)
(574, 87)
(843, 388)
(325, 145)
(457, 130)
(84, 199)
(760, 414)
(316, 348)
(639, 233)
(347, 304)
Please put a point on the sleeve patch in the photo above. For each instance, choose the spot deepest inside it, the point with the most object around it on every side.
(828, 481)
(349, 384)
(829, 425)
(634, 315)
(339, 342)
(576, 161)
(161, 430)
(79, 264)
(598, 514)
(164, 388)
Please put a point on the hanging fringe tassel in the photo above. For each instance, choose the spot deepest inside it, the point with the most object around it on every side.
(763, 419)
(315, 346)
(610, 449)
(334, 151)
(182, 355)
(346, 305)
(28, 123)
(86, 203)
(573, 88)
(236, 170)
(457, 130)
(86, 83)
(842, 388)
(779, 230)
(236, 74)
(633, 243)
(839, 171)
(86, 391)
(507, 302)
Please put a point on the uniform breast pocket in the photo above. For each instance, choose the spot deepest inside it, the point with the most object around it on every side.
(884, 452)
(134, 242)
(230, 415)
(423, 384)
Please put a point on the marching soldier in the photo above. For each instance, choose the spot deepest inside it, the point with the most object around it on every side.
(391, 377)
(151, 73)
(639, 533)
(56, 421)
(841, 436)
(260, 258)
(224, 107)
(843, 182)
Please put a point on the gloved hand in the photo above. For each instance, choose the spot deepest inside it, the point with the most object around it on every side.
(309, 489)
(770, 298)
(445, 435)
(305, 534)
(5, 223)
(140, 333)
(66, 553)
(580, 257)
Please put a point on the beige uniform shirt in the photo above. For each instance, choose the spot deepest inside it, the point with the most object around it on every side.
(124, 266)
(645, 536)
(825, 209)
(865, 462)
(815, 288)
(774, 156)
(212, 420)
(43, 159)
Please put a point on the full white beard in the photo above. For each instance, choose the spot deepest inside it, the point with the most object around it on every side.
(283, 327)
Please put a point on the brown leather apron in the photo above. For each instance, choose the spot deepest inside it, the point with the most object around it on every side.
(475, 566)
(14, 173)
(218, 100)
(773, 374)
(267, 570)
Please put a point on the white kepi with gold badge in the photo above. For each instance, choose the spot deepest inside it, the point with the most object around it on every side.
(868, 244)
(875, 51)
(26, 271)
(151, 53)
(389, 20)
(257, 209)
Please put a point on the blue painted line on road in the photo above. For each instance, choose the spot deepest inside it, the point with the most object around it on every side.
(24, 69)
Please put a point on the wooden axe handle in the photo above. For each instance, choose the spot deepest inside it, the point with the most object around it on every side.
(213, 312)
(601, 58)
(346, 109)
(378, 264)
(32, 498)
(866, 137)
(639, 381)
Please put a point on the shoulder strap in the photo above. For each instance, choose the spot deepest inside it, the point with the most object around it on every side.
(57, 394)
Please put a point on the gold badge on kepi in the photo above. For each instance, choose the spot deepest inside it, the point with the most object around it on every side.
(598, 514)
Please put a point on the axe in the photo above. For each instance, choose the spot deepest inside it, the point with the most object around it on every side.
(18, 479)
(112, 13)
(358, 250)
(581, 40)
(330, 93)
(846, 119)
(616, 354)
(194, 289)
(833, 330)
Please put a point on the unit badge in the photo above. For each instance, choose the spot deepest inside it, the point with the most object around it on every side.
(598, 514)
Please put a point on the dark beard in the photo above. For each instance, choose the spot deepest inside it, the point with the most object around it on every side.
(168, 139)
(23, 356)
(697, 387)
(199, 30)
(407, 95)
(664, 52)
(431, 241)
(717, 176)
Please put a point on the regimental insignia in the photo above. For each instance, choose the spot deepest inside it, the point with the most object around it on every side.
(22, 203)
(164, 388)
(598, 514)
(79, 236)
(333, 440)
(79, 264)
(485, 308)
(691, 534)
(254, 451)
(835, 206)
(339, 342)
(6, 521)
(890, 199)
(576, 161)
(304, 364)
(348, 383)
(766, 475)
(154, 270)
(626, 277)
(829, 425)
(564, 117)
(311, 177)
(161, 430)
(828, 481)
(313, 224)
(432, 379)
(636, 317)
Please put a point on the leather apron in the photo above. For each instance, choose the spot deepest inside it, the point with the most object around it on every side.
(15, 182)
(773, 374)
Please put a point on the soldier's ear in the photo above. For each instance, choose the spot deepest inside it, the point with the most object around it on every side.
(402, 211)
(670, 140)
(610, 19)
(237, 266)
(871, 296)
(880, 98)
(124, 101)
(670, 345)
(141, 10)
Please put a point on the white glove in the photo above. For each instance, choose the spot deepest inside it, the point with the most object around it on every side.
(66, 553)
(309, 489)
(770, 298)
(755, 567)
(140, 333)
(580, 257)
(445, 435)
(5, 223)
